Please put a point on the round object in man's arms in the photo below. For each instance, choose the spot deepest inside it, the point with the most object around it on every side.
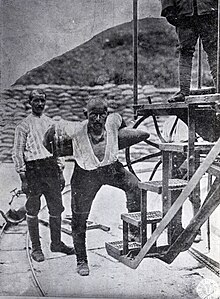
(128, 137)
(58, 145)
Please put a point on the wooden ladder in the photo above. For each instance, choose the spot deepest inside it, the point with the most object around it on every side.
(132, 253)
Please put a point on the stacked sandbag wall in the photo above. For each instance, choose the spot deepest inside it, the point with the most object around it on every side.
(69, 101)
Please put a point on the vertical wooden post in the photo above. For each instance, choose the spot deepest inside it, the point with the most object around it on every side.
(191, 141)
(125, 237)
(143, 217)
(218, 51)
(199, 69)
(135, 46)
(191, 149)
(166, 194)
(166, 169)
(208, 221)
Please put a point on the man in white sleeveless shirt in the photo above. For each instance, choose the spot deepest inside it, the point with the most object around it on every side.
(95, 150)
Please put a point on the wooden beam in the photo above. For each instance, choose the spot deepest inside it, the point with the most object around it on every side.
(206, 261)
(186, 238)
(135, 51)
(175, 207)
(218, 51)
(199, 69)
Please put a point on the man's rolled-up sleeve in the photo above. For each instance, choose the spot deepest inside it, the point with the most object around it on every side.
(18, 149)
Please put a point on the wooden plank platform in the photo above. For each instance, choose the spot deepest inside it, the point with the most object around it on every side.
(115, 249)
(161, 109)
(208, 99)
(135, 218)
(156, 186)
(184, 241)
(203, 99)
(181, 147)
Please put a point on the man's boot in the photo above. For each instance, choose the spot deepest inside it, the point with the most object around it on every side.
(185, 69)
(79, 241)
(178, 97)
(55, 231)
(33, 228)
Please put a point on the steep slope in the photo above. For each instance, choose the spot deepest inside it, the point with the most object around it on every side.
(108, 57)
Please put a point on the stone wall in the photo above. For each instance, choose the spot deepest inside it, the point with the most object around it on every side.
(68, 102)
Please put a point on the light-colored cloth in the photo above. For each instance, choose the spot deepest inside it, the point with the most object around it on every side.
(82, 149)
(180, 132)
(28, 141)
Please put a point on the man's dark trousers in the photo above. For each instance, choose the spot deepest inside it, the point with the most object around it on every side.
(85, 184)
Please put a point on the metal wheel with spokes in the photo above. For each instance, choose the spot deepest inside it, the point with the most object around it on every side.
(148, 157)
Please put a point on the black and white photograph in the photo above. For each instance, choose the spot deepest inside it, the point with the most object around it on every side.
(110, 149)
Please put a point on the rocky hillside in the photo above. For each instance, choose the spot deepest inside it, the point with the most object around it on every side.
(108, 58)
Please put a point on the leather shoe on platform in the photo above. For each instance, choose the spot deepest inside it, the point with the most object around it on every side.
(178, 97)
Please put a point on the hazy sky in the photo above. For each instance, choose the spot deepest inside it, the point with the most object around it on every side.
(34, 31)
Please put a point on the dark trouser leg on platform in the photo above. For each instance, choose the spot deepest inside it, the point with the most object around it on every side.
(119, 177)
(185, 69)
(33, 228)
(125, 180)
(209, 36)
(55, 231)
(188, 36)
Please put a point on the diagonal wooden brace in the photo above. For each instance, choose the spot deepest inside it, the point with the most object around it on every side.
(186, 238)
(214, 152)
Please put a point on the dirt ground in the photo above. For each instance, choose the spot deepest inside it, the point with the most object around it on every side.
(153, 279)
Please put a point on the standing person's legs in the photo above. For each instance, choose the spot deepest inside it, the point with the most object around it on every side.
(208, 25)
(33, 229)
(51, 189)
(119, 177)
(84, 186)
(32, 209)
(187, 35)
